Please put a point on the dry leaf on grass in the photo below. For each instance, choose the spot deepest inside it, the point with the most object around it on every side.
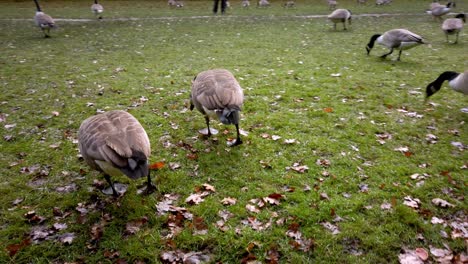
(412, 202)
(229, 201)
(442, 203)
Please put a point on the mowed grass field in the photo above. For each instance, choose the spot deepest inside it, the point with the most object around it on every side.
(341, 162)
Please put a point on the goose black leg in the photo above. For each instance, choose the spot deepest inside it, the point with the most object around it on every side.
(399, 55)
(207, 120)
(108, 179)
(150, 187)
(238, 139)
(386, 54)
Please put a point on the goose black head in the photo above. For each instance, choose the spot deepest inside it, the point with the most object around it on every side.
(462, 17)
(370, 45)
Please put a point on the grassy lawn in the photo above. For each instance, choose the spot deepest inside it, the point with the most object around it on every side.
(340, 145)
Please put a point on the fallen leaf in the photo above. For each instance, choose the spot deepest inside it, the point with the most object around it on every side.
(331, 227)
(412, 202)
(229, 201)
(67, 238)
(14, 248)
(252, 208)
(209, 187)
(441, 255)
(157, 165)
(328, 110)
(134, 226)
(442, 203)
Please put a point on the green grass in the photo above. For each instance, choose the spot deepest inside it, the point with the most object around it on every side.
(285, 64)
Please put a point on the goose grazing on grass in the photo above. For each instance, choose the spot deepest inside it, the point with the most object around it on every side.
(175, 3)
(115, 143)
(457, 81)
(440, 10)
(97, 9)
(263, 3)
(289, 4)
(216, 93)
(340, 16)
(383, 2)
(245, 3)
(453, 26)
(44, 21)
(401, 39)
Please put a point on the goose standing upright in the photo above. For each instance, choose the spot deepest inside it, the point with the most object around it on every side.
(340, 16)
(115, 143)
(245, 3)
(216, 93)
(457, 81)
(453, 26)
(401, 39)
(437, 11)
(43, 21)
(97, 9)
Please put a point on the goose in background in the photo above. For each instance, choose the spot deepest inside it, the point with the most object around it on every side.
(401, 39)
(43, 21)
(453, 26)
(175, 3)
(97, 9)
(440, 10)
(245, 3)
(115, 143)
(457, 81)
(263, 3)
(289, 4)
(216, 93)
(331, 4)
(340, 16)
(383, 2)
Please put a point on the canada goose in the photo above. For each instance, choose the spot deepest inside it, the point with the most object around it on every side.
(383, 2)
(115, 143)
(360, 2)
(216, 93)
(439, 10)
(340, 16)
(331, 4)
(263, 3)
(401, 39)
(44, 21)
(245, 3)
(175, 3)
(453, 26)
(97, 9)
(457, 81)
(289, 4)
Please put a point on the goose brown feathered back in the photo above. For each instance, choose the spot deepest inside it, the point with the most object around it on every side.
(217, 93)
(115, 143)
(453, 26)
(43, 21)
(401, 39)
(340, 16)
